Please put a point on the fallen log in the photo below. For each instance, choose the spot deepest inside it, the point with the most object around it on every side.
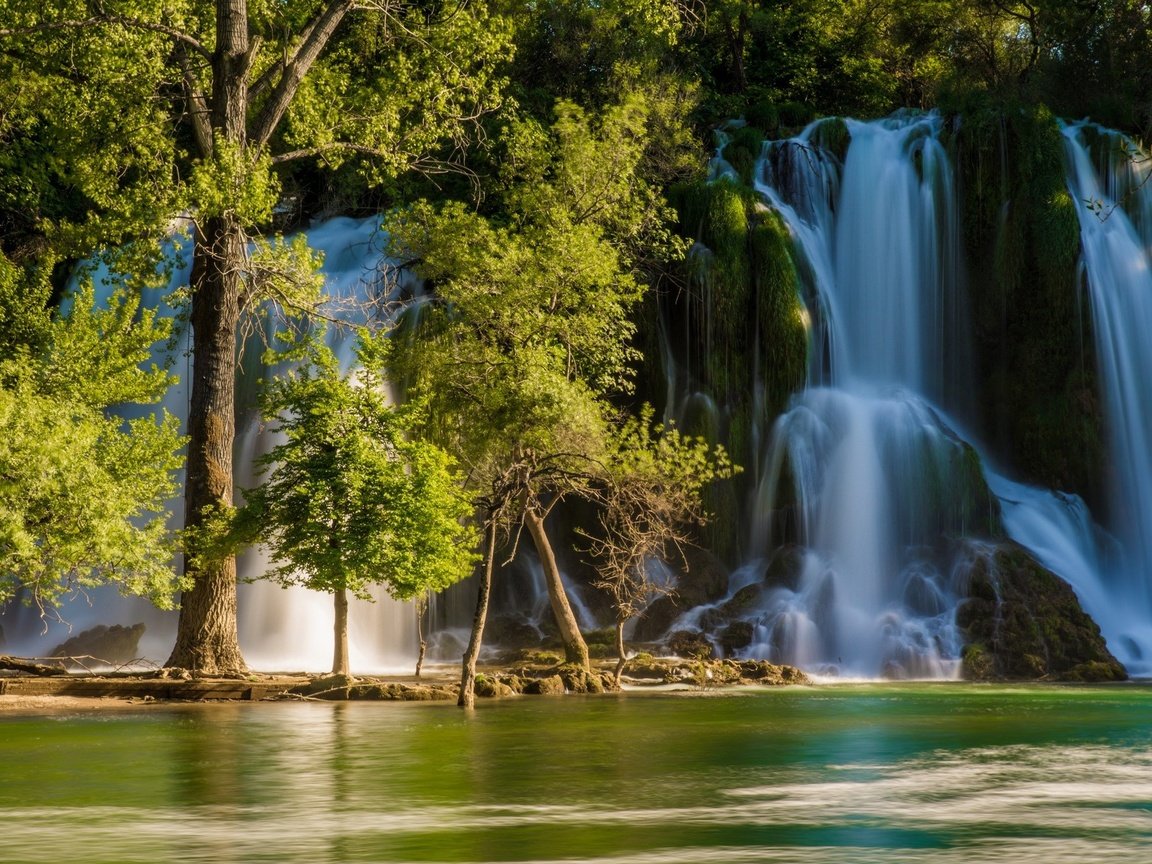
(21, 664)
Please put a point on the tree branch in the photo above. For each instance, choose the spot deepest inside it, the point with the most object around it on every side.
(323, 150)
(312, 42)
(198, 110)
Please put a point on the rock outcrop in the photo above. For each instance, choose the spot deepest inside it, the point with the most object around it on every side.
(1022, 622)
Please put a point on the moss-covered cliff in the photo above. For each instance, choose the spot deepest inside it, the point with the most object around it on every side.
(1036, 377)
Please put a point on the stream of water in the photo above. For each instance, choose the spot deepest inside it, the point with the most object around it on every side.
(844, 774)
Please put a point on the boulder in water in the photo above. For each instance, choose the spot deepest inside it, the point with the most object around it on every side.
(1023, 622)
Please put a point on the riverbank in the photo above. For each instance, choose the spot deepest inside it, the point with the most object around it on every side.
(25, 692)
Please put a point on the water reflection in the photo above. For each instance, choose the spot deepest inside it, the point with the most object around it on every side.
(892, 774)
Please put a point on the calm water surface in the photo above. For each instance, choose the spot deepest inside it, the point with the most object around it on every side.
(844, 774)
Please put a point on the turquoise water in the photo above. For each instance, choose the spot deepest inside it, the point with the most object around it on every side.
(852, 774)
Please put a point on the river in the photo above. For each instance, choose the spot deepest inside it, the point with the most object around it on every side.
(842, 773)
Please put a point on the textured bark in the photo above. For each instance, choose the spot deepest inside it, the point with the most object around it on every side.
(575, 648)
(421, 644)
(340, 663)
(467, 697)
(230, 70)
(206, 639)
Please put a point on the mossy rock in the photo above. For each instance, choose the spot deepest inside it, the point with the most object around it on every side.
(511, 631)
(743, 150)
(772, 674)
(115, 645)
(494, 687)
(735, 637)
(1032, 627)
(531, 657)
(657, 617)
(977, 664)
(334, 687)
(645, 667)
(785, 567)
(832, 135)
(397, 692)
(550, 686)
(690, 644)
(746, 600)
(703, 579)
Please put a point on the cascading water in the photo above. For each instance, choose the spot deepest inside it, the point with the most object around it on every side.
(882, 482)
(1109, 180)
(280, 628)
(877, 475)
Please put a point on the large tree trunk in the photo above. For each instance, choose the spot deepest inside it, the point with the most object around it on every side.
(575, 649)
(468, 672)
(206, 638)
(340, 664)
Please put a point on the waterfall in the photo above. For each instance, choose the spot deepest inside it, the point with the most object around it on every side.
(878, 474)
(1108, 179)
(280, 628)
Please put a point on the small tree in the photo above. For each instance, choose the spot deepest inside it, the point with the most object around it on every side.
(651, 501)
(350, 501)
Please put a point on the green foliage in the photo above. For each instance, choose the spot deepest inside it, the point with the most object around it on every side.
(652, 493)
(83, 494)
(530, 325)
(350, 500)
(233, 183)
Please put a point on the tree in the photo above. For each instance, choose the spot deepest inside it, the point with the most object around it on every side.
(209, 104)
(350, 501)
(528, 330)
(83, 493)
(651, 498)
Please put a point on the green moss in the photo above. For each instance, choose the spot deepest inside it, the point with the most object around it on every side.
(780, 314)
(832, 135)
(720, 500)
(742, 151)
(1023, 245)
(1034, 627)
(795, 114)
(763, 115)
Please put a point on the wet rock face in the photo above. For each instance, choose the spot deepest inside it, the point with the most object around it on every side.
(114, 645)
(703, 579)
(1023, 622)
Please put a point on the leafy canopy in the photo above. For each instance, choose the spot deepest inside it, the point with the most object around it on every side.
(84, 494)
(350, 500)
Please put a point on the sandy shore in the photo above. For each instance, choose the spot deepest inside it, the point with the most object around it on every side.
(16, 704)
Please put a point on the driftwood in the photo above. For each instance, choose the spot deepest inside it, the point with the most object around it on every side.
(22, 664)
